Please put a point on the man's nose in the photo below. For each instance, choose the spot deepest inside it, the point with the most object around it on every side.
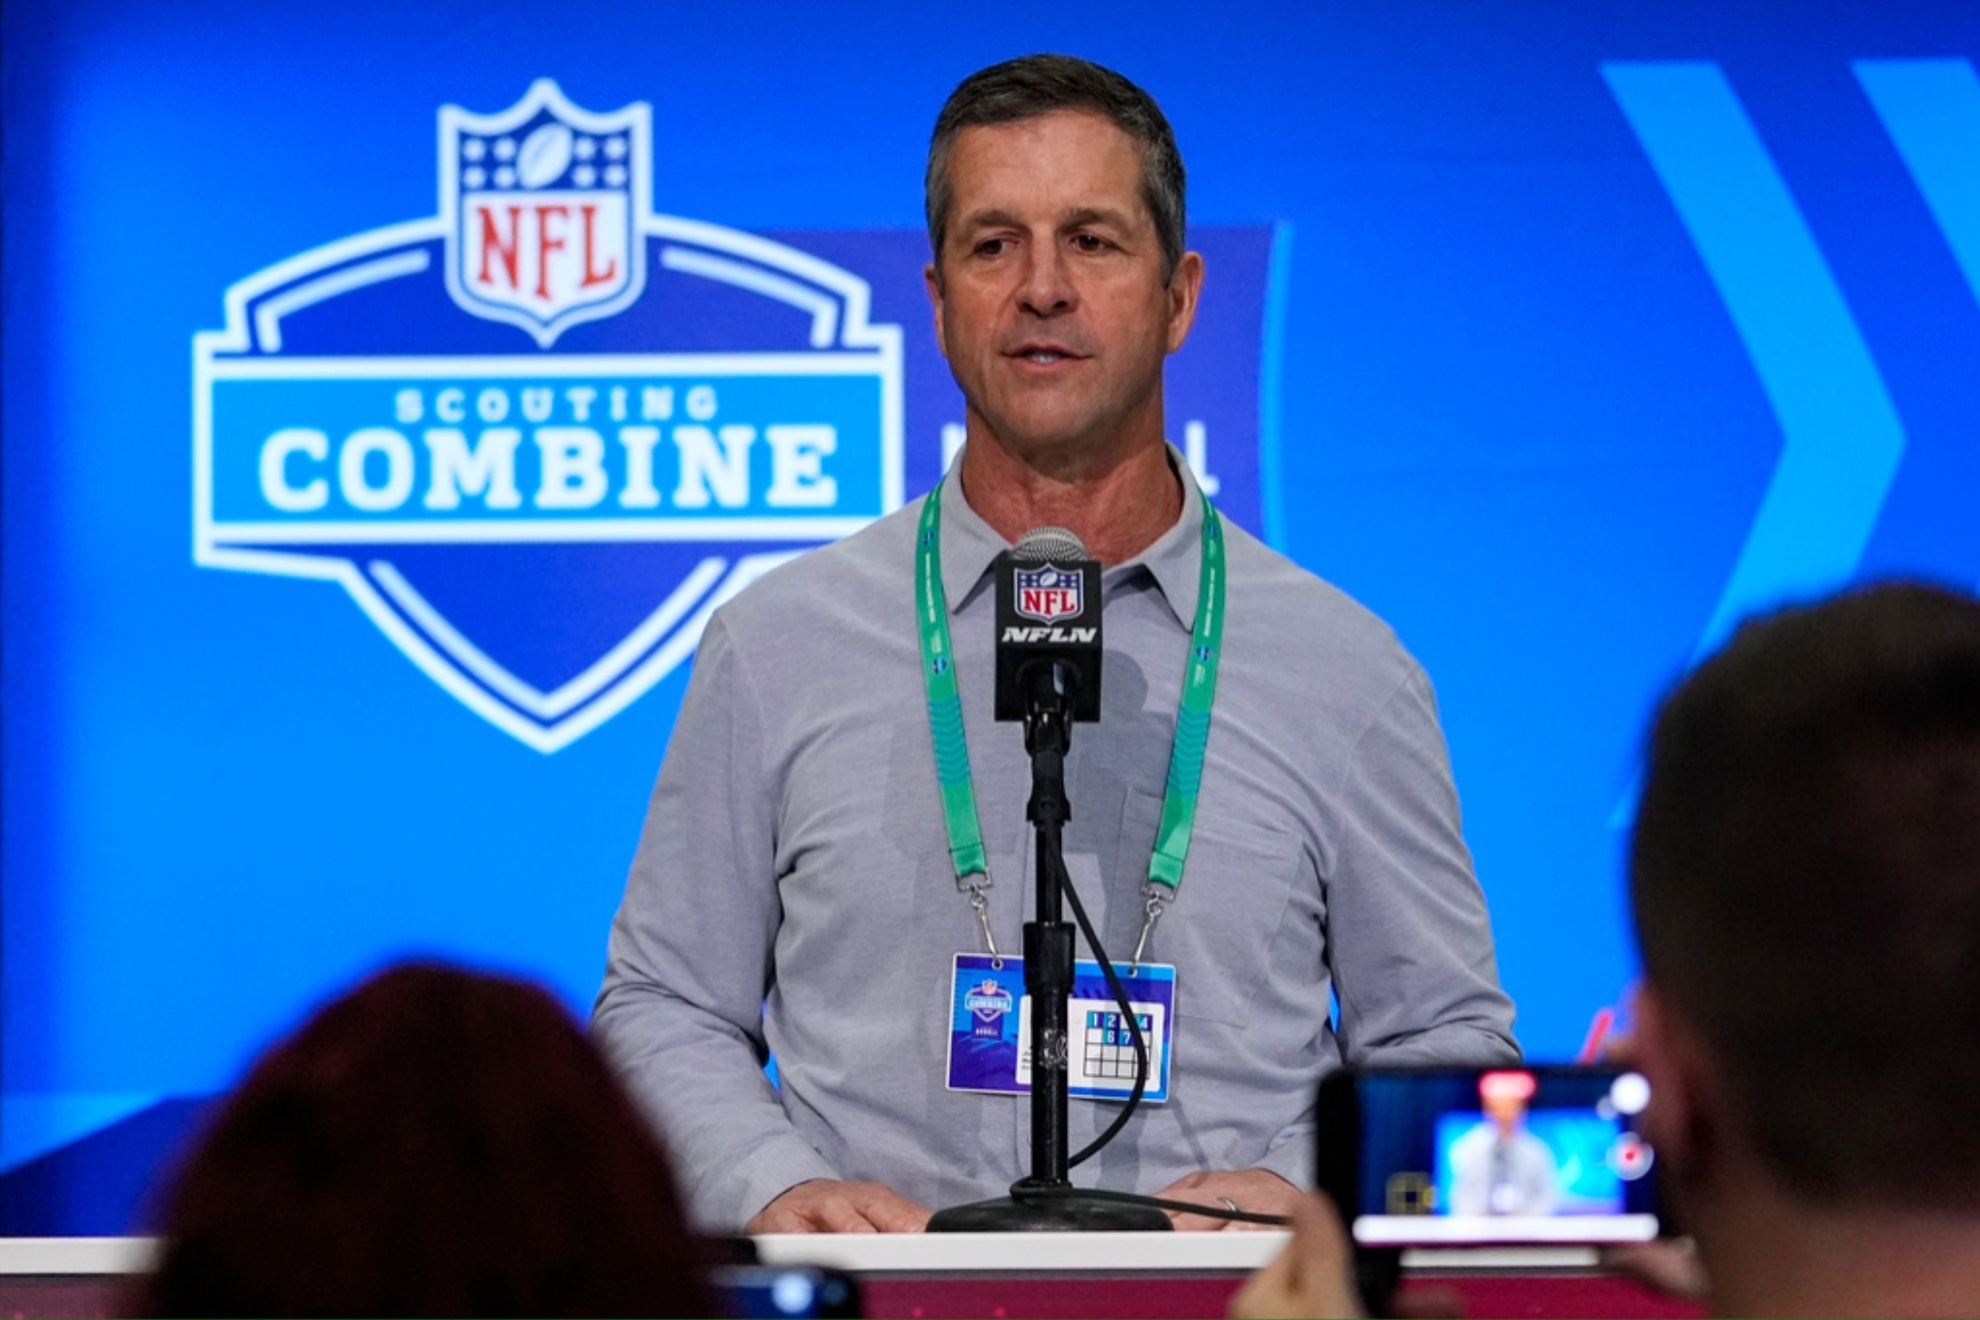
(1047, 288)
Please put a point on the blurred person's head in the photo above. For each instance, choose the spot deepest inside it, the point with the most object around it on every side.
(436, 1142)
(1503, 1096)
(1806, 883)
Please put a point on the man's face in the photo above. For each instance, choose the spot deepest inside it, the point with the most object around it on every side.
(1049, 299)
(1506, 1113)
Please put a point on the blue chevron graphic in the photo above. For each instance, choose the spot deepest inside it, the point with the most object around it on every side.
(1931, 109)
(1842, 440)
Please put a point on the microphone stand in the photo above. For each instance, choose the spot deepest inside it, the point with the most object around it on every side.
(1048, 947)
(1048, 981)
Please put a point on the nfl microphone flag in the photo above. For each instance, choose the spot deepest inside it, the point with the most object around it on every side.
(1048, 609)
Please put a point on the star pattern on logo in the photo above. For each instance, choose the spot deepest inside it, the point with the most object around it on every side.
(490, 161)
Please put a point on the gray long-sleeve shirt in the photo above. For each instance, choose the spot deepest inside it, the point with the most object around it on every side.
(793, 888)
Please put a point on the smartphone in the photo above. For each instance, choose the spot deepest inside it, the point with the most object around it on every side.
(1466, 1157)
(786, 1290)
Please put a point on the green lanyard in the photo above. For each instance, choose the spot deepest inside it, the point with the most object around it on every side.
(945, 723)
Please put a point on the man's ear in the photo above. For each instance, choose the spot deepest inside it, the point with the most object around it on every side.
(1686, 1095)
(933, 278)
(1185, 287)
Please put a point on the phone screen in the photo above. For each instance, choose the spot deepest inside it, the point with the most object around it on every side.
(1502, 1155)
(786, 1290)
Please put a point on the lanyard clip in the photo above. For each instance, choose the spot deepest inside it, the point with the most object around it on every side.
(978, 901)
(1151, 912)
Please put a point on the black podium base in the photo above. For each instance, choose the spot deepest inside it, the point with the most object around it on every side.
(1059, 1213)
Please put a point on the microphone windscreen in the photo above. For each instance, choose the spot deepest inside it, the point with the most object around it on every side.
(1048, 545)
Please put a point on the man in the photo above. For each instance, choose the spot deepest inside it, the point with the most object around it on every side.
(1499, 1167)
(795, 886)
(1806, 884)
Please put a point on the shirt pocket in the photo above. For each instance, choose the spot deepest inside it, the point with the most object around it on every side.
(1230, 911)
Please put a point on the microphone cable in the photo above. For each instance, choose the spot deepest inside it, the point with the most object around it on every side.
(1063, 880)
(1023, 1189)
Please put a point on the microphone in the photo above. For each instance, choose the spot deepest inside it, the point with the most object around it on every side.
(1048, 628)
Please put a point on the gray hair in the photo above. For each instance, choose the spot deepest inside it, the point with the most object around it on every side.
(1034, 85)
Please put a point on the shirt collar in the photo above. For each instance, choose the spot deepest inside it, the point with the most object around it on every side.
(1174, 561)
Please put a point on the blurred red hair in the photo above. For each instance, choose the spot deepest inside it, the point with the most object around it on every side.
(436, 1142)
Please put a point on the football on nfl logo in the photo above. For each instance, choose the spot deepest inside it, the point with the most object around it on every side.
(541, 435)
(1049, 594)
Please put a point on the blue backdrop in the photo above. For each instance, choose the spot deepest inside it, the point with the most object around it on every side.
(1561, 335)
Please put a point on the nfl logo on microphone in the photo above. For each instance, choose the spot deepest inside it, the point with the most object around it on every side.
(1049, 594)
(540, 436)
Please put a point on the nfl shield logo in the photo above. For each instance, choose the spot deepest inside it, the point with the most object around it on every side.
(542, 203)
(989, 1002)
(1049, 594)
(543, 528)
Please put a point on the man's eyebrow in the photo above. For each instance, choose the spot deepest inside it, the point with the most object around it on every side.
(1095, 215)
(996, 218)
(991, 219)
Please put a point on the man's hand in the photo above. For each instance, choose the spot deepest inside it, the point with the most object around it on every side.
(1313, 1277)
(1669, 1266)
(825, 1206)
(1259, 1191)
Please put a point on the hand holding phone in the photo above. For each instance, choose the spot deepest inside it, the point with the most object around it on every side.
(1313, 1276)
(1483, 1156)
(1469, 1157)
